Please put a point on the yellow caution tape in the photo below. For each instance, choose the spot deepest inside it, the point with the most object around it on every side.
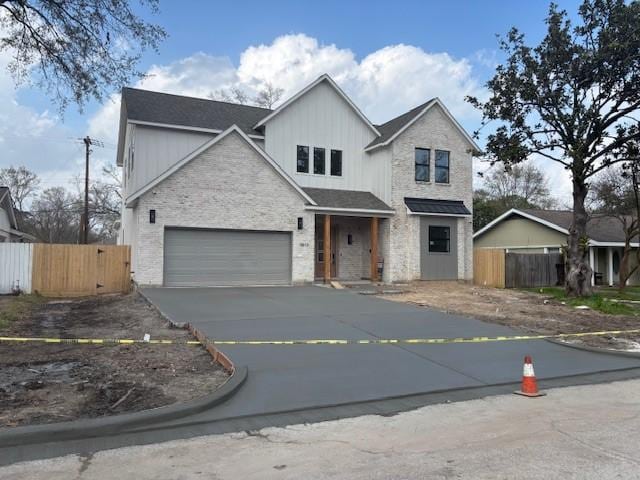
(376, 341)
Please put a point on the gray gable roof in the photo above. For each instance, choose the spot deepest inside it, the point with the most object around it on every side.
(156, 107)
(351, 199)
(388, 129)
(601, 228)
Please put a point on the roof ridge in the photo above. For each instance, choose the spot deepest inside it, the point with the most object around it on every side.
(196, 98)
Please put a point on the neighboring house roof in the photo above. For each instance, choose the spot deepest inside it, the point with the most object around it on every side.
(6, 204)
(393, 128)
(234, 128)
(328, 199)
(320, 79)
(430, 206)
(601, 228)
(166, 109)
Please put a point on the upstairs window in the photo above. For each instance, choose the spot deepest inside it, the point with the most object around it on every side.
(336, 163)
(439, 239)
(423, 158)
(442, 166)
(318, 161)
(303, 159)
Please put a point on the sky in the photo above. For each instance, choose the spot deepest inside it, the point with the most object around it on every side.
(387, 56)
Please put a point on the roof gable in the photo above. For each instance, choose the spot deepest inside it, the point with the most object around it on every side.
(396, 126)
(6, 203)
(322, 79)
(234, 128)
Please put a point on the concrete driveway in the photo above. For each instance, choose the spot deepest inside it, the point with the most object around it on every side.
(284, 378)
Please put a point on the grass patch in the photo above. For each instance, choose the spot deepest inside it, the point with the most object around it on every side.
(597, 301)
(13, 309)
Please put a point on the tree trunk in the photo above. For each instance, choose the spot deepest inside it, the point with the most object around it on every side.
(579, 272)
(623, 271)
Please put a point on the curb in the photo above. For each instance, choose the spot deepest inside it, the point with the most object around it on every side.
(606, 351)
(117, 424)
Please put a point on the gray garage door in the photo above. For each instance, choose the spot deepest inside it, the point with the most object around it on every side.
(211, 258)
(438, 248)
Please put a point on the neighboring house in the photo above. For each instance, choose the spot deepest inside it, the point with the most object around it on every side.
(9, 225)
(217, 193)
(546, 231)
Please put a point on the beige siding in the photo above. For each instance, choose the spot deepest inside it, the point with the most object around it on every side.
(519, 232)
(322, 118)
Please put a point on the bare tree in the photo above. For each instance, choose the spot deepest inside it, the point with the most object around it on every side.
(233, 95)
(22, 183)
(519, 186)
(76, 49)
(268, 96)
(55, 216)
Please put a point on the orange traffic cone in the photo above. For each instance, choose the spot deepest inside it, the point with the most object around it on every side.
(529, 384)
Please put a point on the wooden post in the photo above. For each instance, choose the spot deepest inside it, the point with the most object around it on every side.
(327, 248)
(374, 249)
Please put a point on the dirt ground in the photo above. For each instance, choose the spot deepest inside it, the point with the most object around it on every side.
(44, 383)
(530, 312)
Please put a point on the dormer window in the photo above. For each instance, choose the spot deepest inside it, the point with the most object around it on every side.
(302, 159)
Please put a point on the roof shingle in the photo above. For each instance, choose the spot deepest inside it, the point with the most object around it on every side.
(156, 107)
(348, 199)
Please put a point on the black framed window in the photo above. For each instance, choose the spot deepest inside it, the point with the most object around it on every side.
(442, 166)
(303, 159)
(423, 157)
(336, 163)
(318, 161)
(439, 239)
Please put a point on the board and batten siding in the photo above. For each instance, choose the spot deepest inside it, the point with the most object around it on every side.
(322, 118)
(156, 150)
(15, 266)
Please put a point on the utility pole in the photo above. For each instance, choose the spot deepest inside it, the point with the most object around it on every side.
(85, 216)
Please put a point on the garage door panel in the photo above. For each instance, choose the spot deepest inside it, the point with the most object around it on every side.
(226, 257)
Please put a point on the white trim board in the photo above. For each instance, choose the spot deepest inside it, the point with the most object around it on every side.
(322, 78)
(435, 101)
(177, 166)
(352, 211)
(184, 127)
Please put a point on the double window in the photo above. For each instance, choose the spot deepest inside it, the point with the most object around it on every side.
(302, 164)
(319, 161)
(442, 166)
(423, 158)
(439, 239)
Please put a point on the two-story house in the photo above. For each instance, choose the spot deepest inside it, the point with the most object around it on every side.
(219, 194)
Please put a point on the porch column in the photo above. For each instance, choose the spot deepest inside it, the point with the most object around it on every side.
(327, 248)
(610, 266)
(374, 249)
(593, 267)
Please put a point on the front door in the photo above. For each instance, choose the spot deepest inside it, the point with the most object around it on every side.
(320, 250)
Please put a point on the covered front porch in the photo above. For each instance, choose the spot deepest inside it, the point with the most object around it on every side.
(605, 260)
(349, 248)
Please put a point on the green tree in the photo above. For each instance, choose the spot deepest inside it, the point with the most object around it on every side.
(570, 99)
(76, 49)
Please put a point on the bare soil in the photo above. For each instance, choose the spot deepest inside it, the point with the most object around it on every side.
(44, 383)
(530, 312)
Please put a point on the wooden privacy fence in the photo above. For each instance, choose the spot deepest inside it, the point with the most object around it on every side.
(73, 270)
(488, 267)
(524, 270)
(493, 267)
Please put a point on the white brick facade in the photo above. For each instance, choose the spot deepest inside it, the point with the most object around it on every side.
(229, 186)
(434, 131)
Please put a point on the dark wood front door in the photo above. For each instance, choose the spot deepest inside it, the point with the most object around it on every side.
(320, 250)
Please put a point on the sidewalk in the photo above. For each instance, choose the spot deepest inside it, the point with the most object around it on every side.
(576, 432)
